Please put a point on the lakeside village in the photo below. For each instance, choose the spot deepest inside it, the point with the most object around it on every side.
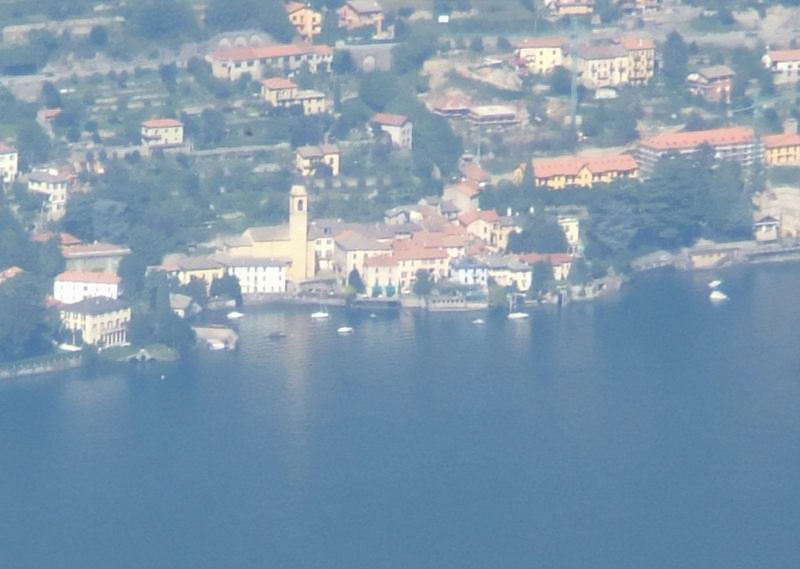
(165, 159)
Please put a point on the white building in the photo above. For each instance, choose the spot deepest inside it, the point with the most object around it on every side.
(784, 65)
(162, 132)
(55, 186)
(258, 275)
(398, 127)
(9, 163)
(382, 272)
(470, 272)
(74, 286)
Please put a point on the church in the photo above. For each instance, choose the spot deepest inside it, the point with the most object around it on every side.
(286, 241)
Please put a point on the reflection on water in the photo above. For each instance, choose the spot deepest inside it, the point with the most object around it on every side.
(652, 430)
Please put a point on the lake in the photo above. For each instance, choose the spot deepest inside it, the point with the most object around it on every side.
(652, 430)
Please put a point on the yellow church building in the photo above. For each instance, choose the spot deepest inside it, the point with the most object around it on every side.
(287, 241)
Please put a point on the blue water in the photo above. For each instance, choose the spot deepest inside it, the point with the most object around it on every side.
(649, 431)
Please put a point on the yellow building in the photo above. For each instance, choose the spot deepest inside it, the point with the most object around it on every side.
(541, 55)
(582, 171)
(289, 241)
(162, 132)
(100, 321)
(280, 92)
(306, 20)
(184, 269)
(641, 58)
(309, 158)
(781, 149)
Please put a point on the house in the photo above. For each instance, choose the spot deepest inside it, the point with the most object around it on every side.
(9, 163)
(784, 65)
(402, 214)
(606, 65)
(10, 273)
(781, 149)
(571, 227)
(739, 144)
(712, 83)
(413, 257)
(507, 271)
(472, 173)
(306, 20)
(561, 263)
(767, 229)
(382, 272)
(294, 241)
(257, 276)
(55, 186)
(353, 248)
(464, 195)
(162, 132)
(542, 54)
(492, 115)
(73, 286)
(232, 63)
(308, 159)
(471, 272)
(184, 268)
(100, 321)
(483, 225)
(641, 8)
(282, 93)
(398, 127)
(455, 105)
(356, 14)
(562, 8)
(641, 58)
(97, 256)
(582, 171)
(182, 305)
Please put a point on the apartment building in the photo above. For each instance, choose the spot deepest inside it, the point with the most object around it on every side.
(55, 187)
(234, 62)
(713, 83)
(641, 58)
(734, 143)
(399, 128)
(784, 65)
(73, 286)
(582, 171)
(541, 55)
(101, 322)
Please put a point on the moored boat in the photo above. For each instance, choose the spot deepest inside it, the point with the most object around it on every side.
(718, 296)
(344, 330)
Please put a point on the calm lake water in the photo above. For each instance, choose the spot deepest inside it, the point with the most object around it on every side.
(649, 431)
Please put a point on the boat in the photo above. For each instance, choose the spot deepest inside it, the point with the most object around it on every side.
(373, 315)
(717, 296)
(320, 314)
(216, 345)
(277, 335)
(479, 321)
(714, 284)
(518, 315)
(234, 315)
(344, 330)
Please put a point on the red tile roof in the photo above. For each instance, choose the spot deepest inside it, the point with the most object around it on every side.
(688, 140)
(388, 119)
(489, 216)
(572, 165)
(278, 83)
(784, 55)
(407, 250)
(88, 277)
(380, 261)
(292, 7)
(780, 140)
(4, 149)
(161, 123)
(636, 42)
(271, 51)
(541, 42)
(469, 189)
(64, 238)
(475, 173)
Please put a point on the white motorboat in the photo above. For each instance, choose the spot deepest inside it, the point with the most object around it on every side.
(718, 296)
(518, 315)
(373, 315)
(714, 284)
(216, 345)
(344, 330)
(479, 321)
(234, 315)
(320, 314)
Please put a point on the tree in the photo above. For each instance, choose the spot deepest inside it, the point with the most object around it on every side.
(99, 36)
(169, 76)
(561, 81)
(227, 285)
(503, 44)
(162, 19)
(542, 276)
(33, 143)
(476, 44)
(354, 281)
(376, 89)
(24, 329)
(213, 126)
(676, 61)
(239, 14)
(423, 285)
(541, 235)
(51, 96)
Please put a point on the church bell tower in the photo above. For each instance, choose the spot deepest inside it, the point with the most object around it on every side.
(298, 232)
